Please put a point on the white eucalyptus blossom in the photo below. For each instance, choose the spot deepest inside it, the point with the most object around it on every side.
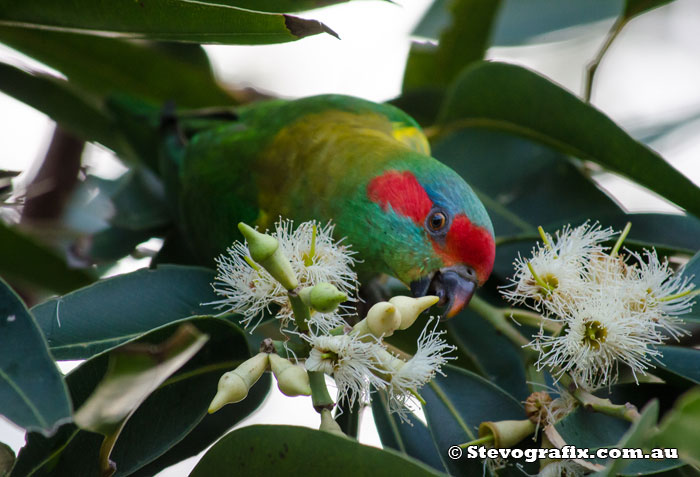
(352, 363)
(248, 289)
(419, 370)
(555, 275)
(613, 308)
(600, 332)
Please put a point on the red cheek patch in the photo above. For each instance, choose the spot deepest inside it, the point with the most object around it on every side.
(401, 191)
(469, 244)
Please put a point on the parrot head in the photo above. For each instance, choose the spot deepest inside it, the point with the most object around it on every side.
(436, 236)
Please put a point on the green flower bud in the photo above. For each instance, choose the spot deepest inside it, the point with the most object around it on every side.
(231, 389)
(292, 380)
(383, 319)
(325, 297)
(234, 385)
(410, 308)
(264, 249)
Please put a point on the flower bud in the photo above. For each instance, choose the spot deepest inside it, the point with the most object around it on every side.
(328, 424)
(409, 308)
(383, 319)
(264, 249)
(506, 433)
(292, 380)
(234, 385)
(325, 297)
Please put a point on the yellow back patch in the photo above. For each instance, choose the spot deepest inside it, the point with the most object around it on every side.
(412, 137)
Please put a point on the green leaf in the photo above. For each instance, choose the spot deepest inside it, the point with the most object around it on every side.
(134, 372)
(7, 459)
(277, 6)
(500, 361)
(520, 21)
(583, 428)
(34, 263)
(165, 73)
(169, 20)
(679, 429)
(635, 436)
(32, 391)
(285, 450)
(464, 41)
(57, 99)
(637, 7)
(691, 270)
(511, 98)
(166, 418)
(455, 406)
(112, 243)
(140, 202)
(683, 362)
(411, 439)
(112, 311)
(206, 432)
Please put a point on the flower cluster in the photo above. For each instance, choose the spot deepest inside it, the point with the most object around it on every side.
(250, 290)
(613, 308)
(307, 277)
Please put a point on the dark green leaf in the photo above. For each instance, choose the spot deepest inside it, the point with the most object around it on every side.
(7, 459)
(464, 41)
(499, 359)
(635, 436)
(513, 99)
(455, 406)
(692, 269)
(140, 202)
(169, 20)
(412, 439)
(36, 264)
(285, 450)
(683, 362)
(679, 429)
(207, 431)
(519, 21)
(112, 243)
(56, 98)
(583, 428)
(637, 7)
(134, 372)
(277, 6)
(112, 311)
(32, 391)
(163, 420)
(163, 74)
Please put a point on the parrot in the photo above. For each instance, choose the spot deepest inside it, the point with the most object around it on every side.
(365, 166)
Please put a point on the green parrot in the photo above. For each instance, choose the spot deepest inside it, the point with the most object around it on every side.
(365, 166)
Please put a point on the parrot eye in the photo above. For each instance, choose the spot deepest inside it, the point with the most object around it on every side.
(437, 221)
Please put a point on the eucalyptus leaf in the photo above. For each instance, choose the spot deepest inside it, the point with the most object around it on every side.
(57, 99)
(463, 40)
(98, 67)
(115, 310)
(510, 98)
(7, 459)
(634, 8)
(682, 362)
(455, 406)
(679, 429)
(34, 263)
(277, 6)
(134, 372)
(171, 20)
(525, 21)
(412, 439)
(32, 391)
(284, 450)
(160, 422)
(140, 202)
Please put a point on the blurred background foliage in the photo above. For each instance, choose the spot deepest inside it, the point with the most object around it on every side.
(535, 152)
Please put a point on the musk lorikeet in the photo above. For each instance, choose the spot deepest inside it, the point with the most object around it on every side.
(365, 166)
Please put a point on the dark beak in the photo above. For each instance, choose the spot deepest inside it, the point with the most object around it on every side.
(454, 285)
